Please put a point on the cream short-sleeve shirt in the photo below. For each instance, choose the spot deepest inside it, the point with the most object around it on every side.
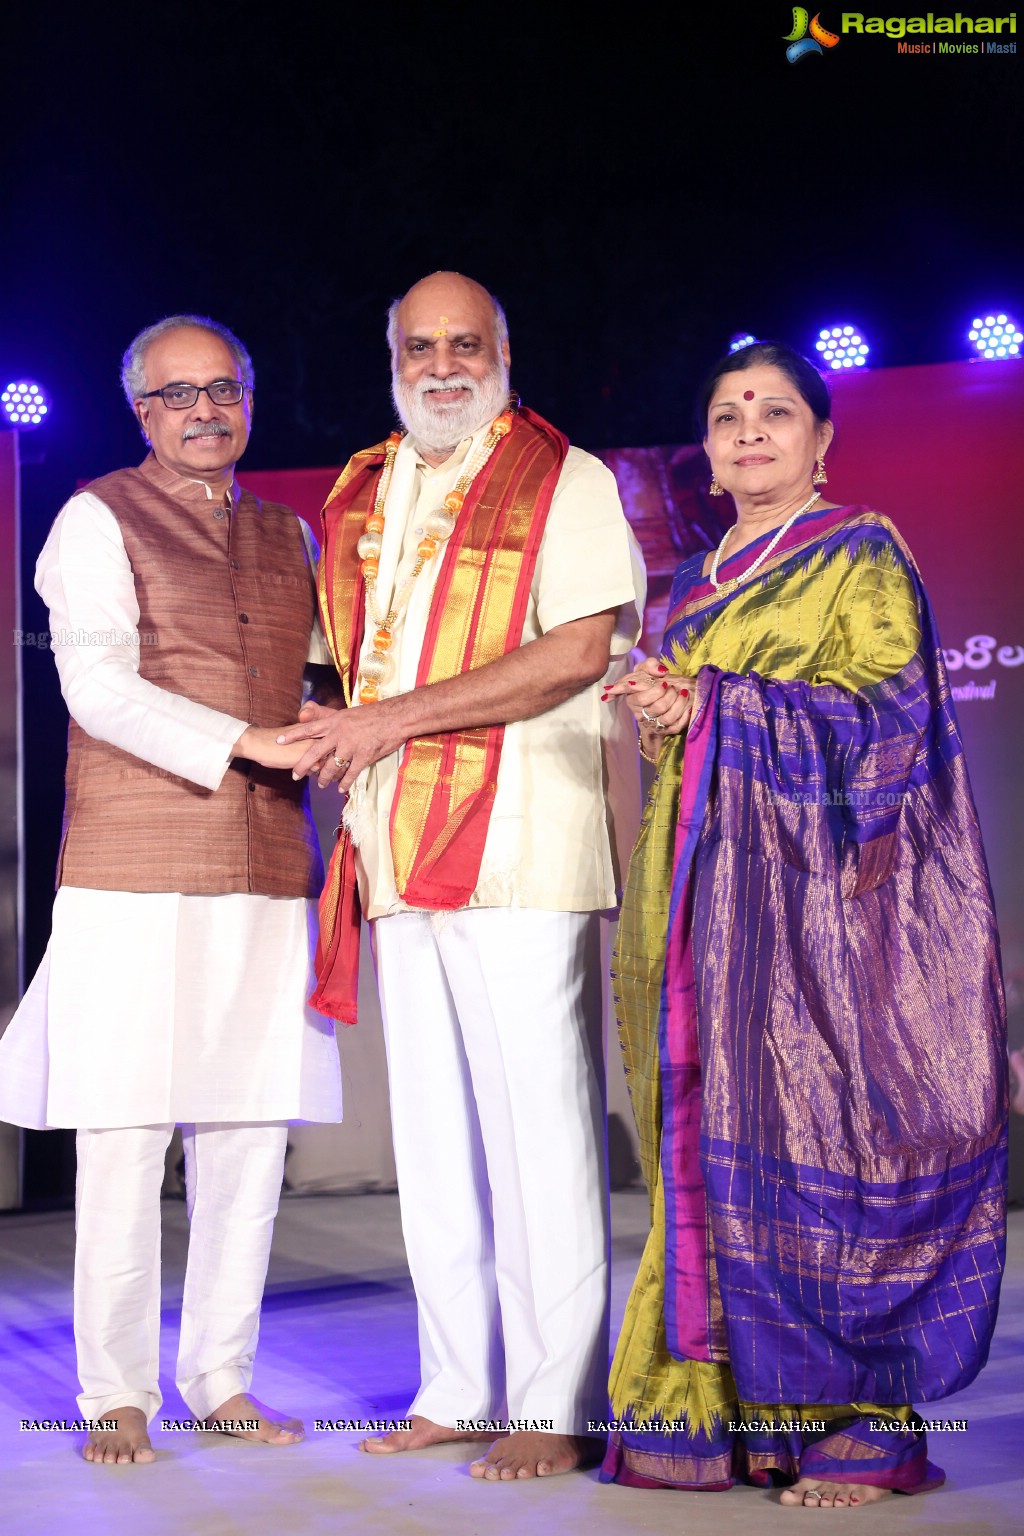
(567, 778)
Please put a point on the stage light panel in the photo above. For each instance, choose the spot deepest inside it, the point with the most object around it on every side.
(842, 346)
(25, 404)
(740, 340)
(995, 335)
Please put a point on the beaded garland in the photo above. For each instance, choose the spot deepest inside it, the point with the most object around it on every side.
(377, 668)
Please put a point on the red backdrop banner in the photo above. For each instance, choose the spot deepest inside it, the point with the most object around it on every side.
(933, 448)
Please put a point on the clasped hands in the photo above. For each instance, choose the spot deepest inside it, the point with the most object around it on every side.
(334, 744)
(661, 701)
(337, 744)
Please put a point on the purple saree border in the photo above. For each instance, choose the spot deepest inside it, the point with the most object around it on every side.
(687, 1297)
(939, 1310)
(692, 1460)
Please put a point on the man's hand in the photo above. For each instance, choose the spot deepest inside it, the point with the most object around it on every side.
(534, 678)
(337, 744)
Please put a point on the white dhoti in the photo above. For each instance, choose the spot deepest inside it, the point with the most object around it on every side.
(494, 1026)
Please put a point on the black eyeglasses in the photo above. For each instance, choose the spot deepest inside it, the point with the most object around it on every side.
(178, 397)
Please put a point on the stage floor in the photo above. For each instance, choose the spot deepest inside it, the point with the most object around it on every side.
(339, 1342)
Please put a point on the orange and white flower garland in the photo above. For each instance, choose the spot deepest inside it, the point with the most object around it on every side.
(377, 668)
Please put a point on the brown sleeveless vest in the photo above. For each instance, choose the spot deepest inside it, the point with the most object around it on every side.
(227, 599)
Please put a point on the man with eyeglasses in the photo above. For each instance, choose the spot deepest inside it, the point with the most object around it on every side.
(183, 616)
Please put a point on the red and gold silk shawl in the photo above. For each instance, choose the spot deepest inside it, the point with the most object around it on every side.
(447, 782)
(808, 986)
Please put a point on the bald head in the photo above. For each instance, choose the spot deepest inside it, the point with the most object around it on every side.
(446, 293)
(449, 361)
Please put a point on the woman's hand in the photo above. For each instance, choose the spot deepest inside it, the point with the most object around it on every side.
(661, 701)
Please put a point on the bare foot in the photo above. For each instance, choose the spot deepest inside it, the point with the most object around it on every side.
(272, 1428)
(423, 1432)
(814, 1494)
(534, 1453)
(1017, 1081)
(128, 1442)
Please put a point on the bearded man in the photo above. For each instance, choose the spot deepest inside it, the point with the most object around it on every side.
(478, 578)
(182, 616)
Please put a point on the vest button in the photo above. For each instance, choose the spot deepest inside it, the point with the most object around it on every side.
(250, 785)
(218, 511)
(254, 671)
(243, 618)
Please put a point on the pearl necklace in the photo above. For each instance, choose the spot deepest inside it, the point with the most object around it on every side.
(377, 668)
(733, 581)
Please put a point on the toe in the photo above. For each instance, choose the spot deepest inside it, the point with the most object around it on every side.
(287, 1434)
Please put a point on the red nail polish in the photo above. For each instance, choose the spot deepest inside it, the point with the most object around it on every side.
(662, 668)
(631, 682)
(685, 692)
(664, 685)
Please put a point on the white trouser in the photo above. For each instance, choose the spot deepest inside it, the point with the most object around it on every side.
(233, 1185)
(494, 1025)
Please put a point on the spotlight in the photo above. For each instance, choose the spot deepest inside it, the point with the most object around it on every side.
(741, 339)
(993, 336)
(24, 404)
(842, 346)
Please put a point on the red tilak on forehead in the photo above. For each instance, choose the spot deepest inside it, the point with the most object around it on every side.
(748, 394)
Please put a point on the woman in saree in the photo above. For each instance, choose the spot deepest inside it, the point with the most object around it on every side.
(808, 993)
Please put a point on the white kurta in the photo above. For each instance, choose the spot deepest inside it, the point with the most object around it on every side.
(157, 1007)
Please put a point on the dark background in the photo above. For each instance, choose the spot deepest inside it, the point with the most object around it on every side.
(635, 189)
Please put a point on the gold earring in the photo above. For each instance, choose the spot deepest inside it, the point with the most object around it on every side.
(820, 477)
(715, 489)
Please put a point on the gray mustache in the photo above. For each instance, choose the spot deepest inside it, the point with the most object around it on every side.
(206, 429)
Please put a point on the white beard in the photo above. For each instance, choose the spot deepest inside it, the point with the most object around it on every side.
(439, 428)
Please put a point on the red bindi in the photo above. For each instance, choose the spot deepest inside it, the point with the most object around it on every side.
(748, 394)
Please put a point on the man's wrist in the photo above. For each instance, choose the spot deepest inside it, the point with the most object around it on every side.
(395, 717)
